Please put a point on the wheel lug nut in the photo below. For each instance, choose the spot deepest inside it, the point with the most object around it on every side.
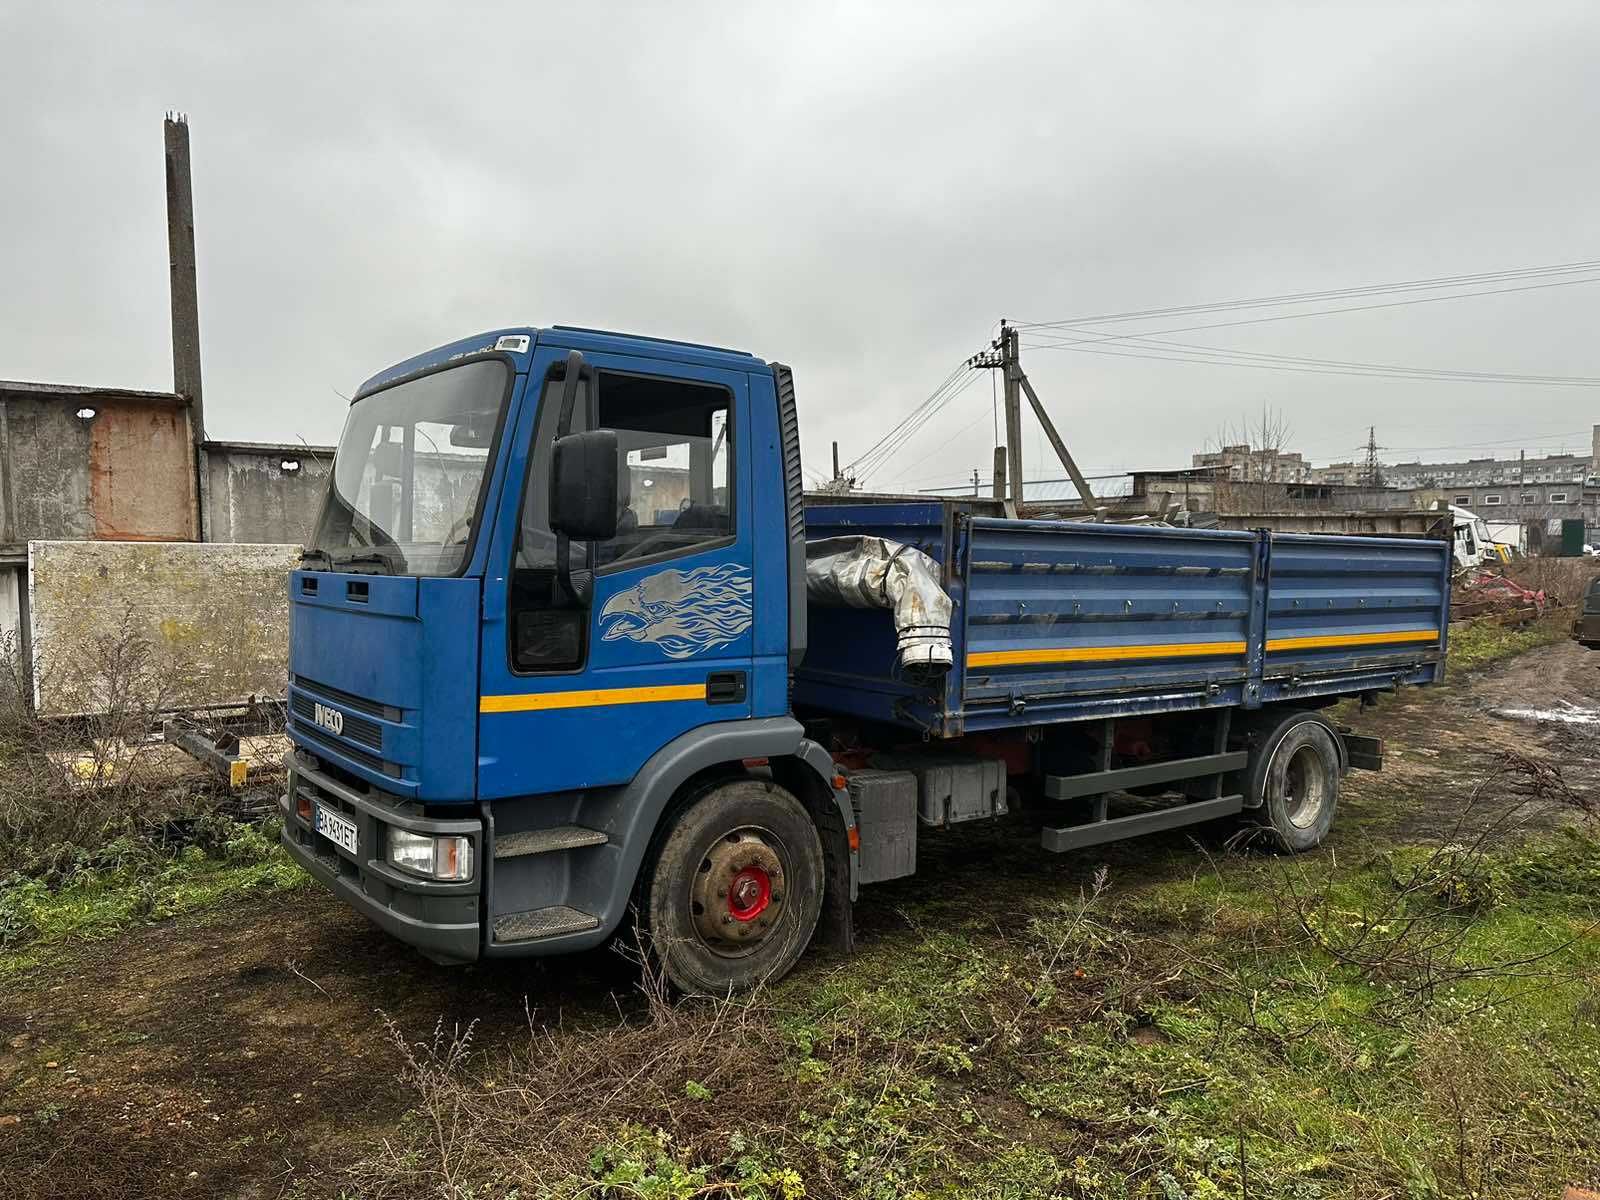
(722, 893)
(727, 920)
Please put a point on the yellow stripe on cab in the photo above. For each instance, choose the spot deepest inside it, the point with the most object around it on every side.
(591, 698)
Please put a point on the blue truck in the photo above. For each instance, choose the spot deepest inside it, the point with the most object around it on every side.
(556, 669)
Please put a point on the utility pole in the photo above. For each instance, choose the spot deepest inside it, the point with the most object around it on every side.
(1004, 355)
(1012, 393)
(974, 481)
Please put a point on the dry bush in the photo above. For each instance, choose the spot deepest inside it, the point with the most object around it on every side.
(1411, 939)
(1563, 580)
(70, 787)
(696, 1068)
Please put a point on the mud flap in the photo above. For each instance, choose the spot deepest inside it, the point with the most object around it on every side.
(836, 928)
(1362, 753)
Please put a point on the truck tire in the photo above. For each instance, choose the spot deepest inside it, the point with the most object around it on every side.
(1292, 782)
(731, 895)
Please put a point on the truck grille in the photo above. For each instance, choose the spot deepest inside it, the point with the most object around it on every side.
(318, 740)
(344, 699)
(356, 728)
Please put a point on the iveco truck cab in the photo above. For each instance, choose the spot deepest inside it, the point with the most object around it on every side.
(529, 622)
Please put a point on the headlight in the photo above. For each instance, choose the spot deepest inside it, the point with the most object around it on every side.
(430, 857)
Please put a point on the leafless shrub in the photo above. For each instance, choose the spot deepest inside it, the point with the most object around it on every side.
(1412, 939)
(71, 785)
(1563, 580)
(697, 1069)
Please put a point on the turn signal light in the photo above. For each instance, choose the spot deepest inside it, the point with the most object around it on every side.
(445, 858)
(302, 806)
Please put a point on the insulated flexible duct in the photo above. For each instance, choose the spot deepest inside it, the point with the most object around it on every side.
(874, 572)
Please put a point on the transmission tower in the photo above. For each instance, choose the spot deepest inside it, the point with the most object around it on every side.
(1371, 468)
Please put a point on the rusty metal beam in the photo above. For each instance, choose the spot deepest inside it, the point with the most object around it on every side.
(219, 754)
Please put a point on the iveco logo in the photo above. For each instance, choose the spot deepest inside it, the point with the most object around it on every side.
(330, 719)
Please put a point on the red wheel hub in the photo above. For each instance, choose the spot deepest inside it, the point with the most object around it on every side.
(749, 894)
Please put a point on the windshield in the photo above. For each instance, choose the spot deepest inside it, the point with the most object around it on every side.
(411, 462)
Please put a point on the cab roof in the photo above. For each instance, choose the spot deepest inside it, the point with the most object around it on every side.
(567, 337)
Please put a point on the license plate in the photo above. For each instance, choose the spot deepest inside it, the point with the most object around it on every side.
(336, 828)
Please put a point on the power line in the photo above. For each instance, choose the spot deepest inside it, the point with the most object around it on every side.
(885, 448)
(1223, 357)
(875, 451)
(1435, 283)
(963, 430)
(1321, 312)
(907, 430)
(1291, 367)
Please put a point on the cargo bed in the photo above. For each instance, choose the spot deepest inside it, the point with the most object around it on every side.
(1064, 621)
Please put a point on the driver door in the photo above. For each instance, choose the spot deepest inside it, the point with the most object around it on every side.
(578, 694)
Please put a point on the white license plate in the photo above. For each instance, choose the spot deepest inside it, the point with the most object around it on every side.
(337, 829)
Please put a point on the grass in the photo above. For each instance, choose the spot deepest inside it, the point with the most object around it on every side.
(1479, 643)
(1195, 1038)
(140, 886)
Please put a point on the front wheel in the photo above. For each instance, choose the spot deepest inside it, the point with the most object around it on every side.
(1293, 778)
(734, 890)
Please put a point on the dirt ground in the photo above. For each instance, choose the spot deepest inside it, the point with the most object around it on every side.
(246, 1053)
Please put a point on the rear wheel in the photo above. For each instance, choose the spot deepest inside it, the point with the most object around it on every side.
(734, 890)
(1293, 778)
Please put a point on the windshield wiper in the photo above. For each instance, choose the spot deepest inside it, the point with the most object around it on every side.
(369, 559)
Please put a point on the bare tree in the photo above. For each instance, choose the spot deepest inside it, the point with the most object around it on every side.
(1253, 456)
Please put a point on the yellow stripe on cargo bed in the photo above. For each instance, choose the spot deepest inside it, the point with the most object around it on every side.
(1332, 641)
(591, 698)
(1090, 654)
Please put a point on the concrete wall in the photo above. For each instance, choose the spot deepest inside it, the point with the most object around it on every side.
(1205, 493)
(174, 626)
(252, 496)
(1414, 524)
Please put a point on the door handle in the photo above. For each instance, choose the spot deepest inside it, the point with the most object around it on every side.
(725, 687)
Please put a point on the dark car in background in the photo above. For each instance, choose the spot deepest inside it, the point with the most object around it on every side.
(1586, 629)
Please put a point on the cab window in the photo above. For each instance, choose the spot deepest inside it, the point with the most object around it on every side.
(672, 437)
(676, 482)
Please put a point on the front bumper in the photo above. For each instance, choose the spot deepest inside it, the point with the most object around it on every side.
(439, 919)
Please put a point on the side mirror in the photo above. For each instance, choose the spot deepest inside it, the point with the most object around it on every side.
(584, 495)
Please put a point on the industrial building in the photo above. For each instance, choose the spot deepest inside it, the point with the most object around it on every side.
(120, 465)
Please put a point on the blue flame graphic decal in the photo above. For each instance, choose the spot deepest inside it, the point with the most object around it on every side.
(682, 612)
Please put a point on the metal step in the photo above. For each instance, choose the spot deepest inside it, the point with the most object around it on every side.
(543, 841)
(542, 923)
(1095, 833)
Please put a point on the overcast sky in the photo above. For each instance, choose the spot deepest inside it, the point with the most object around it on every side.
(861, 192)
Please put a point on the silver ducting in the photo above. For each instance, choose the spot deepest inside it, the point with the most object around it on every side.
(874, 572)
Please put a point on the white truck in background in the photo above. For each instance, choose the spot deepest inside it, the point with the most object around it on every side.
(1475, 546)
